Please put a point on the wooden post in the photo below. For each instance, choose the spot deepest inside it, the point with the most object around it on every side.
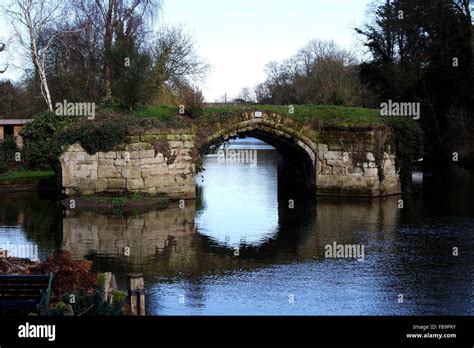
(136, 293)
(110, 285)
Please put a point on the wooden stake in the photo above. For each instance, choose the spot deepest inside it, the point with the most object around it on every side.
(136, 293)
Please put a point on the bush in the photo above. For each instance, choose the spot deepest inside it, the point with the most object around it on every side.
(95, 137)
(407, 140)
(3, 168)
(8, 149)
(74, 279)
(69, 275)
(39, 154)
(193, 101)
(44, 126)
(112, 103)
(40, 151)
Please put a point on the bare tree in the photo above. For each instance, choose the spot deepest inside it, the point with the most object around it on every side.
(246, 95)
(34, 17)
(2, 48)
(176, 61)
(320, 73)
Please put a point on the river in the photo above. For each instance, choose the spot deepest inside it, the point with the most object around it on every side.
(252, 244)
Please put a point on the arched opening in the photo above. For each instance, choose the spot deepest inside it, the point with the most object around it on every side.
(246, 182)
(297, 167)
(298, 153)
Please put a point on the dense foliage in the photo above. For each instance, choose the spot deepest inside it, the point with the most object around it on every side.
(8, 149)
(40, 150)
(407, 142)
(422, 52)
(319, 73)
(98, 136)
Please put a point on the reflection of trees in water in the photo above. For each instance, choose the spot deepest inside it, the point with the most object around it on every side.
(446, 192)
(39, 216)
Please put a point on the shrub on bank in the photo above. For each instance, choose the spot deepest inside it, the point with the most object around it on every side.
(8, 149)
(40, 151)
(76, 289)
(94, 137)
(193, 101)
(407, 141)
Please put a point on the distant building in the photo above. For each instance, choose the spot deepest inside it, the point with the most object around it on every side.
(13, 127)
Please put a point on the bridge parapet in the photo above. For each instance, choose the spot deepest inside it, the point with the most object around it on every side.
(330, 161)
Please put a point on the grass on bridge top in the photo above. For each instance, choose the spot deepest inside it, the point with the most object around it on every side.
(329, 115)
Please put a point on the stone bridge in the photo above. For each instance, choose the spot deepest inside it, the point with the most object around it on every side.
(335, 161)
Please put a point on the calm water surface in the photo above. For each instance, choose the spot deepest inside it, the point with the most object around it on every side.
(239, 249)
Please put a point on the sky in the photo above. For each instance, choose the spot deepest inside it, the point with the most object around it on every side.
(239, 37)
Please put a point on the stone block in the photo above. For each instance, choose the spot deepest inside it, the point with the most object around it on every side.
(331, 155)
(153, 181)
(101, 185)
(106, 162)
(108, 172)
(131, 172)
(371, 172)
(333, 162)
(326, 170)
(152, 161)
(119, 162)
(90, 158)
(133, 147)
(133, 155)
(116, 183)
(188, 144)
(151, 190)
(323, 148)
(77, 156)
(135, 184)
(339, 171)
(147, 154)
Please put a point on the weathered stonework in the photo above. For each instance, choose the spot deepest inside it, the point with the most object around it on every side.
(136, 168)
(337, 174)
(340, 162)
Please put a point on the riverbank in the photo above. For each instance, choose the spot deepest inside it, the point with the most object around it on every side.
(22, 180)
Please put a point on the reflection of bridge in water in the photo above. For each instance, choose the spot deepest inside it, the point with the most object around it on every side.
(167, 242)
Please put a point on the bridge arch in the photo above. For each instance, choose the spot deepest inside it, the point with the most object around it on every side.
(292, 140)
(339, 161)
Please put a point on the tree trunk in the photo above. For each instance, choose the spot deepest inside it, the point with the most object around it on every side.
(40, 69)
(108, 48)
